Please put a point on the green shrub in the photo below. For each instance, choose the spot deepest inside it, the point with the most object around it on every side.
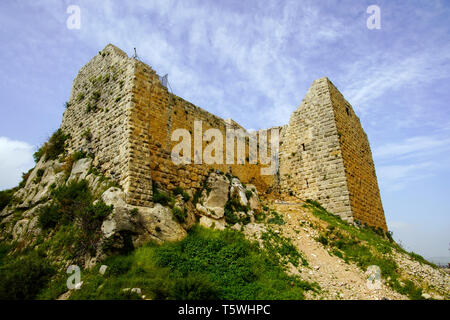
(207, 264)
(248, 194)
(49, 216)
(276, 219)
(194, 287)
(73, 199)
(53, 148)
(25, 176)
(118, 265)
(197, 195)
(95, 96)
(183, 193)
(179, 214)
(6, 196)
(162, 197)
(87, 134)
(79, 155)
(80, 97)
(232, 206)
(23, 278)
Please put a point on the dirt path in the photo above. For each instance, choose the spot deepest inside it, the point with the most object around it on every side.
(337, 279)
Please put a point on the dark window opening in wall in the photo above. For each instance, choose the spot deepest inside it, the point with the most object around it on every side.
(348, 110)
(303, 146)
(307, 184)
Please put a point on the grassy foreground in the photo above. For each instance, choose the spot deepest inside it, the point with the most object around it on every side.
(207, 264)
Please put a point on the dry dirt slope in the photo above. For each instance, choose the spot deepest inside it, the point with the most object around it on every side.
(339, 279)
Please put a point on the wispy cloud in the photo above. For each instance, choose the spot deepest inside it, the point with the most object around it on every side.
(15, 157)
(412, 147)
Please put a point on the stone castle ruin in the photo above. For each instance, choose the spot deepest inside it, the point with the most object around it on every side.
(120, 112)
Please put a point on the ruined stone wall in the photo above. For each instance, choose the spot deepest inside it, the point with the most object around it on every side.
(311, 166)
(98, 110)
(119, 111)
(163, 112)
(365, 200)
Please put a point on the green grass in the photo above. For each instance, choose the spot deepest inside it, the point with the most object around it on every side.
(363, 246)
(22, 278)
(179, 214)
(232, 206)
(276, 218)
(207, 264)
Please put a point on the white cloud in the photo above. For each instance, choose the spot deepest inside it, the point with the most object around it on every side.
(15, 157)
(412, 146)
(397, 177)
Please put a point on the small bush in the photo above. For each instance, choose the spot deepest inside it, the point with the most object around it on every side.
(53, 148)
(6, 196)
(95, 96)
(248, 194)
(25, 176)
(80, 97)
(197, 195)
(87, 134)
(22, 279)
(323, 240)
(183, 193)
(194, 287)
(179, 214)
(276, 219)
(49, 216)
(162, 197)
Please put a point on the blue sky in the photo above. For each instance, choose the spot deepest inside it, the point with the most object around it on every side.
(253, 61)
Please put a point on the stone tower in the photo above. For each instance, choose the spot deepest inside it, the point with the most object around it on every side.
(121, 113)
(325, 156)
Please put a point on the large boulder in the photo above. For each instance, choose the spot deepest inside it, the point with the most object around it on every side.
(160, 224)
(237, 191)
(122, 218)
(80, 169)
(212, 223)
(253, 199)
(215, 196)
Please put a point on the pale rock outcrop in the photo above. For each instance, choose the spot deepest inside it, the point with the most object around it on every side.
(80, 169)
(212, 223)
(215, 196)
(160, 224)
(121, 219)
(20, 229)
(253, 201)
(237, 191)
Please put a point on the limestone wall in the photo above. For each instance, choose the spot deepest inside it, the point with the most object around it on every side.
(98, 112)
(119, 111)
(362, 184)
(159, 113)
(311, 165)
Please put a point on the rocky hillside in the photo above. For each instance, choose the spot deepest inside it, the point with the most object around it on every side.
(223, 241)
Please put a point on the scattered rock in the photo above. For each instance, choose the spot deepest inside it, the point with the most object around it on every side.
(102, 269)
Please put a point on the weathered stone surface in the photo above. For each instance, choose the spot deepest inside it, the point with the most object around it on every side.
(114, 196)
(237, 191)
(212, 223)
(254, 201)
(216, 196)
(80, 169)
(159, 223)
